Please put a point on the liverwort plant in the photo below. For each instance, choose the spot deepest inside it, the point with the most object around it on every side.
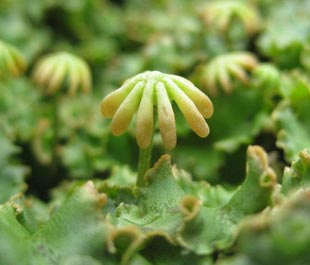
(58, 70)
(12, 61)
(218, 72)
(151, 93)
(221, 14)
(55, 69)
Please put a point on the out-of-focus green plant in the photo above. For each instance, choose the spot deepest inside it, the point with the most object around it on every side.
(12, 173)
(217, 72)
(291, 115)
(305, 56)
(229, 25)
(12, 61)
(171, 53)
(221, 14)
(86, 152)
(53, 70)
(27, 30)
(19, 122)
(286, 32)
(266, 76)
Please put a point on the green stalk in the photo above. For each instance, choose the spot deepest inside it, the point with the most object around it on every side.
(145, 155)
(55, 103)
(144, 164)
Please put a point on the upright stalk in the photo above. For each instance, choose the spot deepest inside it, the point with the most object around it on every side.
(55, 103)
(144, 164)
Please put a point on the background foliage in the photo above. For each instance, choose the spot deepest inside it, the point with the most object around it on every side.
(220, 201)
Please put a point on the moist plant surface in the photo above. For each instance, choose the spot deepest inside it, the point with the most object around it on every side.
(155, 132)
